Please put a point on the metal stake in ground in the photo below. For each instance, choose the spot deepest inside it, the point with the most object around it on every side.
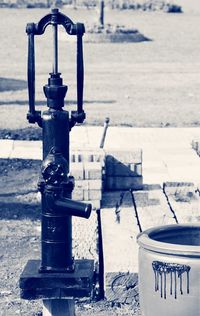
(106, 123)
(57, 278)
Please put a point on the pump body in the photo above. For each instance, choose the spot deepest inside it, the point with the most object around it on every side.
(57, 272)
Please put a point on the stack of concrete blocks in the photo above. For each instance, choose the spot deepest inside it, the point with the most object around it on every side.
(87, 167)
(97, 170)
(123, 169)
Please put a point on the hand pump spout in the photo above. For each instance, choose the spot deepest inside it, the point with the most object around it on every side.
(74, 208)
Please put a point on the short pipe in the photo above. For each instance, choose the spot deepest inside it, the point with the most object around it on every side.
(74, 208)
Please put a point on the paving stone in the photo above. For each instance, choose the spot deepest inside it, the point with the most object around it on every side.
(92, 170)
(185, 201)
(27, 150)
(77, 170)
(184, 172)
(119, 240)
(183, 187)
(6, 147)
(152, 208)
(120, 255)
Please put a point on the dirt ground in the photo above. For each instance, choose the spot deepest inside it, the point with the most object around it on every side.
(28, 133)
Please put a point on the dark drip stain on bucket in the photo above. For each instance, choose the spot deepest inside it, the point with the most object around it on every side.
(177, 274)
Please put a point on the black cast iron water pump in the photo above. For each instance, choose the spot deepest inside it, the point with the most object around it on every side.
(57, 268)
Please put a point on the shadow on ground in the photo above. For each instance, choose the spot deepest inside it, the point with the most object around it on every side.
(19, 198)
(9, 84)
(28, 133)
(19, 211)
(42, 102)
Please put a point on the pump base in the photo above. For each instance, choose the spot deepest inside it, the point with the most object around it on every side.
(36, 285)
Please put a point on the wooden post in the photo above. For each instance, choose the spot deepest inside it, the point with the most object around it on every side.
(59, 307)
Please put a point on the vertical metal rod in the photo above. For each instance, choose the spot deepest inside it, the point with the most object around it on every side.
(55, 48)
(80, 74)
(31, 73)
(101, 295)
(104, 132)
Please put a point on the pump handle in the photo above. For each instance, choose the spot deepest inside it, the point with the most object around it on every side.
(55, 18)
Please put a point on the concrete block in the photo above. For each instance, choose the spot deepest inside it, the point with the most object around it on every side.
(92, 170)
(92, 195)
(78, 195)
(124, 183)
(137, 168)
(75, 157)
(77, 170)
(131, 156)
(96, 204)
(184, 200)
(81, 184)
(95, 184)
(86, 195)
(123, 170)
(90, 155)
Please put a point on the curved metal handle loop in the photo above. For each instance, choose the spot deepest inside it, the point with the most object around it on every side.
(80, 69)
(55, 18)
(32, 116)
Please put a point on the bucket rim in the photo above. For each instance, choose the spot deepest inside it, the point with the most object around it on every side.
(145, 241)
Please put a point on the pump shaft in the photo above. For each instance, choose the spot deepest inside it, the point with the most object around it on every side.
(55, 49)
